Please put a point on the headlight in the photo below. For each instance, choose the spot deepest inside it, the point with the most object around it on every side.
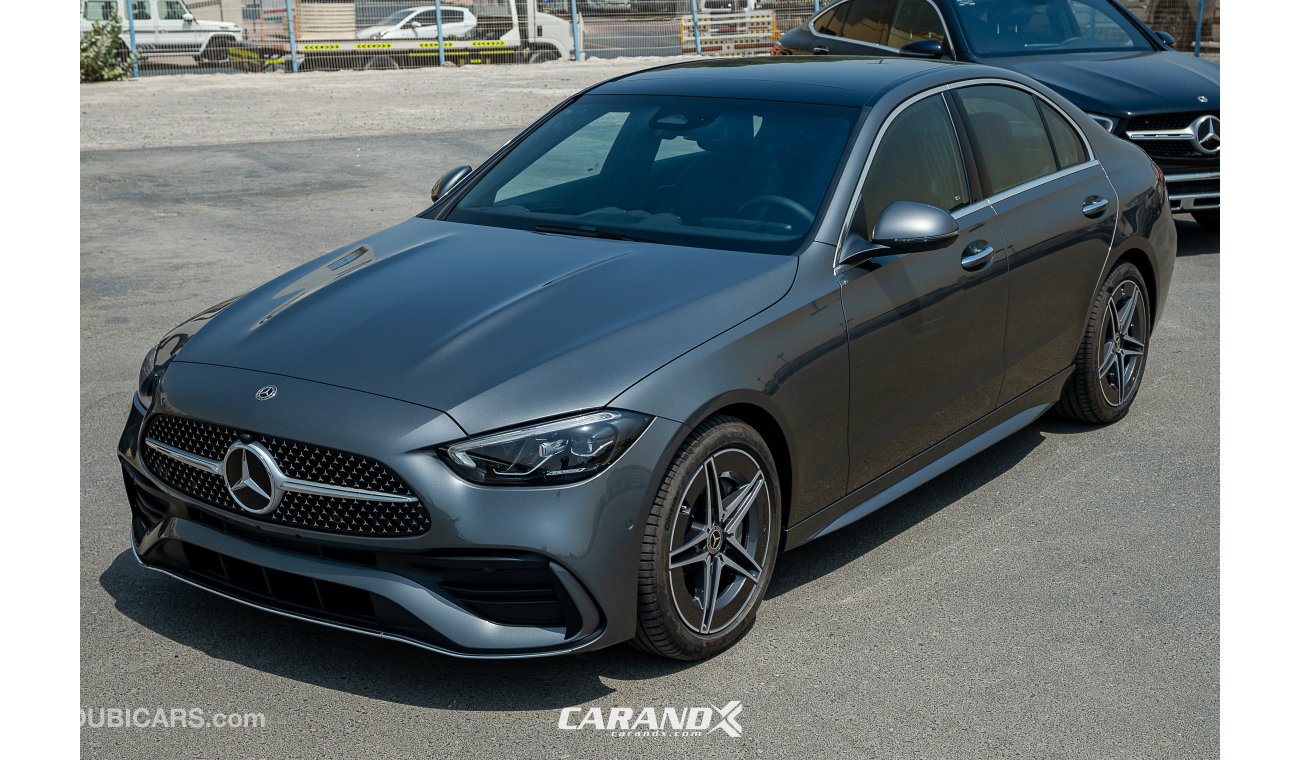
(1107, 123)
(155, 364)
(548, 453)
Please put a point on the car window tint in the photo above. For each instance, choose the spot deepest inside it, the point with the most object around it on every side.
(727, 173)
(171, 10)
(141, 11)
(99, 10)
(832, 21)
(1009, 135)
(1065, 140)
(431, 18)
(581, 154)
(914, 20)
(916, 160)
(1098, 25)
(865, 20)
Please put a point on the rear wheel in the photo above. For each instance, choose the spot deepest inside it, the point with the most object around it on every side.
(709, 544)
(1209, 220)
(1111, 359)
(218, 50)
(380, 63)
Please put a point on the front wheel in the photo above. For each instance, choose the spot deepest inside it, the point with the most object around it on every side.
(709, 544)
(1109, 365)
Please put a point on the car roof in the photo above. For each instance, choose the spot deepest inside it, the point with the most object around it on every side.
(830, 80)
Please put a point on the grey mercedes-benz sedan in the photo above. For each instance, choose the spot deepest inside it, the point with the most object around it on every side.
(691, 317)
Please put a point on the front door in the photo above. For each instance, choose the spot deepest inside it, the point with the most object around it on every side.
(925, 330)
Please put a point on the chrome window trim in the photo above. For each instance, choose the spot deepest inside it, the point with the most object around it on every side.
(947, 33)
(988, 200)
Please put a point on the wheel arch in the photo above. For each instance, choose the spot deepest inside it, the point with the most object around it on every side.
(754, 410)
(1142, 260)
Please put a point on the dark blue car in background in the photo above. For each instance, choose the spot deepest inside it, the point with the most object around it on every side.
(1094, 52)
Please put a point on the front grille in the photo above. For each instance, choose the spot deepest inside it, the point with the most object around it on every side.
(1165, 121)
(1171, 149)
(1193, 187)
(298, 460)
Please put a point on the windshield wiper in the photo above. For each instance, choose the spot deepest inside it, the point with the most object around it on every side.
(594, 232)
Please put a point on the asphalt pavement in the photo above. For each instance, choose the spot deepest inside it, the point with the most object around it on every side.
(1055, 597)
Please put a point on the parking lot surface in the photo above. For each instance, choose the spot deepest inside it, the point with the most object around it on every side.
(1056, 596)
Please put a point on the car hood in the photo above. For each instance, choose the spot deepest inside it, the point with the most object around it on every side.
(492, 326)
(1125, 84)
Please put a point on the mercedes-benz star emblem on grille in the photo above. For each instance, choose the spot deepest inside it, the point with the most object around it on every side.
(1205, 134)
(265, 392)
(252, 477)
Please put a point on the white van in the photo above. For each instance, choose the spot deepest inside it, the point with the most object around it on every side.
(165, 27)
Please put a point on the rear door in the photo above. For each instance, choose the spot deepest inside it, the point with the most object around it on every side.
(925, 329)
(1057, 210)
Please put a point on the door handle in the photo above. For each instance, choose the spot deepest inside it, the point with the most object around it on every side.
(821, 50)
(1094, 206)
(976, 256)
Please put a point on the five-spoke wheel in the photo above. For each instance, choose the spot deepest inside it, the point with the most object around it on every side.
(1112, 357)
(710, 543)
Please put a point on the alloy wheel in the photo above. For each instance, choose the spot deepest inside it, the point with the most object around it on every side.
(721, 531)
(1120, 361)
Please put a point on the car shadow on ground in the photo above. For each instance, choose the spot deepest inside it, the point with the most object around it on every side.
(395, 672)
(1195, 240)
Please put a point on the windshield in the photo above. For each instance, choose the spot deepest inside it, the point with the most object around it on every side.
(743, 175)
(1027, 27)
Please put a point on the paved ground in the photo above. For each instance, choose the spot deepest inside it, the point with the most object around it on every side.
(1055, 597)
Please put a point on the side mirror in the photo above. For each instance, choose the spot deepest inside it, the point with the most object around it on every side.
(415, 25)
(188, 18)
(1166, 38)
(927, 48)
(914, 227)
(448, 181)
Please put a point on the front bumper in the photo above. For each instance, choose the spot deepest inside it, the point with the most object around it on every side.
(1194, 191)
(500, 573)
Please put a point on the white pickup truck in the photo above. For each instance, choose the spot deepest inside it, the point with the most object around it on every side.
(164, 27)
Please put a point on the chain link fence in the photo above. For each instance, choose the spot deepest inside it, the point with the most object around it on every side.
(202, 36)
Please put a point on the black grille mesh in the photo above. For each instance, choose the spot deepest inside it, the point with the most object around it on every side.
(297, 460)
(1169, 121)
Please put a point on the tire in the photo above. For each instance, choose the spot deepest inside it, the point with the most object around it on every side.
(1104, 382)
(1209, 220)
(727, 558)
(380, 63)
(217, 51)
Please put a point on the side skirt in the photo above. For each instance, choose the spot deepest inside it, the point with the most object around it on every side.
(938, 459)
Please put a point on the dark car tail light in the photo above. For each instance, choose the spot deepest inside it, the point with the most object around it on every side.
(1160, 173)
(776, 49)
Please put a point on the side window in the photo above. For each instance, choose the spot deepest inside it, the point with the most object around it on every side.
(581, 154)
(865, 20)
(141, 11)
(917, 160)
(1009, 134)
(99, 10)
(914, 20)
(452, 17)
(831, 23)
(171, 10)
(1065, 140)
(430, 18)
